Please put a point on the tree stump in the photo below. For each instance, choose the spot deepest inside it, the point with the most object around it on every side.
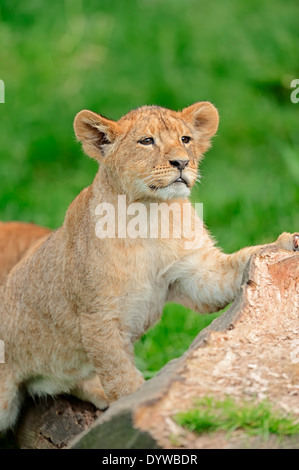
(250, 352)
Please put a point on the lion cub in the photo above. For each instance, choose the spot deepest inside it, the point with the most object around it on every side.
(72, 308)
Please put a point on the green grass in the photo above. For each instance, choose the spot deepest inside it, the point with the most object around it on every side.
(211, 415)
(170, 338)
(112, 56)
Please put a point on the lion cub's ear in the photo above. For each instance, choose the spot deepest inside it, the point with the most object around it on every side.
(203, 116)
(95, 132)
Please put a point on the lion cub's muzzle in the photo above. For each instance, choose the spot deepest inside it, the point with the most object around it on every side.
(180, 165)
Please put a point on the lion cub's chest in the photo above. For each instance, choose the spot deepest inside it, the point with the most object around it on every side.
(144, 306)
(146, 294)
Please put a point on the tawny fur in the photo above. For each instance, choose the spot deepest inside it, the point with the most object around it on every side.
(15, 239)
(72, 308)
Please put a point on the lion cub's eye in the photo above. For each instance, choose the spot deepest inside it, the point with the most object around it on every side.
(185, 139)
(147, 141)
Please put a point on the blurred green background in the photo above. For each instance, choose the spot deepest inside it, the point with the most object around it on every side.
(110, 56)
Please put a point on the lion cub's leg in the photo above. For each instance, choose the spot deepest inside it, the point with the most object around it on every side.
(10, 399)
(91, 390)
(208, 280)
(111, 353)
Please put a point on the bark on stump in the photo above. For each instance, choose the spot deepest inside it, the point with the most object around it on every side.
(250, 352)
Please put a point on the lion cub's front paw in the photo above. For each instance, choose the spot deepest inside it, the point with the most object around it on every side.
(123, 386)
(288, 241)
(91, 390)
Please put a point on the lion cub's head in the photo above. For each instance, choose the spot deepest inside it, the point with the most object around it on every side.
(151, 152)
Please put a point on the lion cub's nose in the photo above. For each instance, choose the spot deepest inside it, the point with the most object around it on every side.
(180, 164)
